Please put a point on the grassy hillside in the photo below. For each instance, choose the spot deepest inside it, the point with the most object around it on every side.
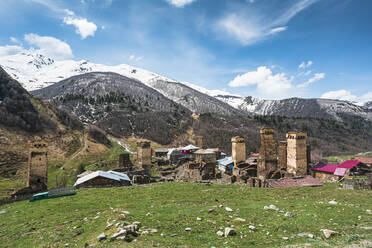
(76, 221)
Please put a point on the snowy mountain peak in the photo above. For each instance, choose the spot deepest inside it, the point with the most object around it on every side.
(36, 71)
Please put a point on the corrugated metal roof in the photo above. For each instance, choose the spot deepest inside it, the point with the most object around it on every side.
(329, 168)
(225, 161)
(364, 160)
(161, 149)
(189, 147)
(294, 182)
(349, 164)
(204, 151)
(117, 176)
(340, 172)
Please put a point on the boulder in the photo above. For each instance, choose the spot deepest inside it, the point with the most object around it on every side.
(229, 232)
(101, 237)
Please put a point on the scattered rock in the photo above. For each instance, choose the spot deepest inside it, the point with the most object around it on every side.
(109, 226)
(3, 212)
(301, 235)
(198, 218)
(148, 214)
(333, 202)
(285, 238)
(328, 233)
(211, 211)
(271, 207)
(121, 233)
(188, 229)
(220, 206)
(240, 220)
(173, 235)
(125, 212)
(289, 214)
(369, 211)
(101, 237)
(253, 228)
(229, 232)
(310, 235)
(220, 233)
(228, 209)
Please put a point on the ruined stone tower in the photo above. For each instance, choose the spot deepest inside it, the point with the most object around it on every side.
(124, 161)
(238, 150)
(268, 159)
(37, 173)
(297, 153)
(144, 156)
(282, 155)
(198, 141)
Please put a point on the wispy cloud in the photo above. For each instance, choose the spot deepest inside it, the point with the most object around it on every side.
(316, 77)
(305, 65)
(248, 26)
(346, 95)
(180, 3)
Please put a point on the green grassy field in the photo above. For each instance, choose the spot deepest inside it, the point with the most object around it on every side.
(76, 221)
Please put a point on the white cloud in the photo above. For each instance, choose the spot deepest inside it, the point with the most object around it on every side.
(134, 58)
(82, 26)
(250, 25)
(346, 95)
(10, 50)
(340, 95)
(268, 84)
(316, 77)
(14, 40)
(180, 3)
(50, 46)
(305, 65)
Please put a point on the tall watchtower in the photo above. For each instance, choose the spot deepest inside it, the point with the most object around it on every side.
(198, 141)
(37, 172)
(144, 155)
(268, 159)
(238, 150)
(297, 153)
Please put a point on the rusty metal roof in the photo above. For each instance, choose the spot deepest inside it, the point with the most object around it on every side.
(294, 182)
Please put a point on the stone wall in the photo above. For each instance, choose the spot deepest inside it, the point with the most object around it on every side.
(37, 173)
(268, 159)
(198, 141)
(144, 156)
(282, 155)
(238, 150)
(297, 153)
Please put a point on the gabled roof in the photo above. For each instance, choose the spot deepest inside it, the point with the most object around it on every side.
(117, 176)
(225, 161)
(189, 147)
(349, 164)
(161, 149)
(205, 151)
(329, 168)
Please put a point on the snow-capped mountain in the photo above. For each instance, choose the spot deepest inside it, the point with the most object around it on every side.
(299, 107)
(35, 71)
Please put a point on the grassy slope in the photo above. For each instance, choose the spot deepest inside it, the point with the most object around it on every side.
(175, 206)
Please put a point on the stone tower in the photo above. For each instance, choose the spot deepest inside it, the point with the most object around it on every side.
(268, 159)
(144, 156)
(238, 150)
(124, 161)
(297, 153)
(37, 172)
(198, 141)
(282, 155)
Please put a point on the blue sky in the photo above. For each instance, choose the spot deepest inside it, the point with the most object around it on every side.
(265, 48)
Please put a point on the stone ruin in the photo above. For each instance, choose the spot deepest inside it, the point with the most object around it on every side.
(198, 141)
(37, 172)
(124, 161)
(37, 169)
(282, 155)
(144, 156)
(268, 159)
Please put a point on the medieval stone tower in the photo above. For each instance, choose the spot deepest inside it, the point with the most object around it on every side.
(282, 155)
(238, 150)
(124, 161)
(198, 141)
(37, 173)
(268, 159)
(144, 156)
(297, 153)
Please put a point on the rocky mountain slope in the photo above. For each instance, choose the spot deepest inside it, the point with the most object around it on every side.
(120, 105)
(24, 118)
(299, 107)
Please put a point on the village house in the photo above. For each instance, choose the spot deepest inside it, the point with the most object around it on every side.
(333, 172)
(103, 179)
(160, 152)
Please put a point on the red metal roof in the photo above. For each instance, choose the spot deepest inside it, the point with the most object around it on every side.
(349, 164)
(330, 168)
(294, 182)
(364, 160)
